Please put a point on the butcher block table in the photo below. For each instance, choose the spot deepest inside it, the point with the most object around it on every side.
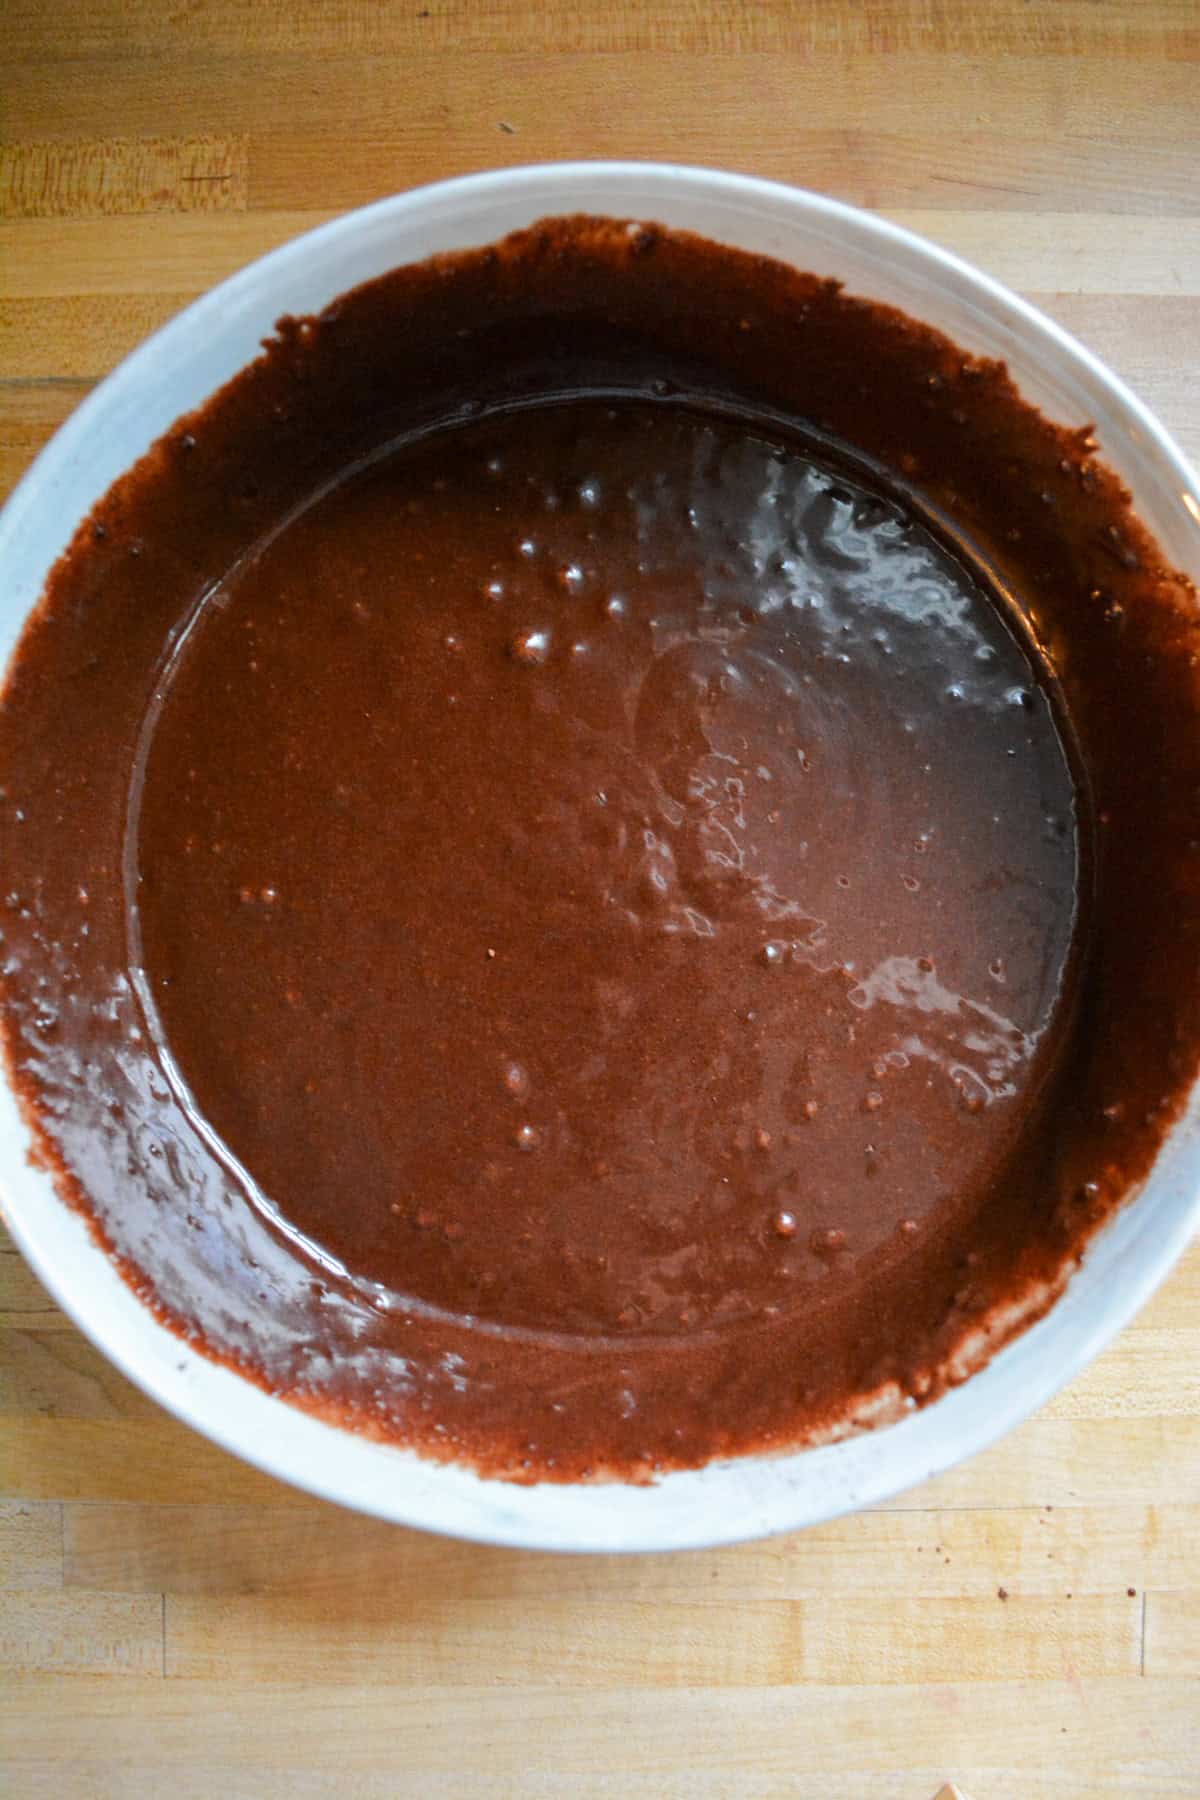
(173, 1623)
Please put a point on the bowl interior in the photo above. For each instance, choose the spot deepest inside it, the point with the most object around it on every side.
(177, 370)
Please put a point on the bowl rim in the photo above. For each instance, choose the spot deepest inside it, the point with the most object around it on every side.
(685, 1509)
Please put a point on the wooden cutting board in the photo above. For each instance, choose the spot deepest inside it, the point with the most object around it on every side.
(173, 1623)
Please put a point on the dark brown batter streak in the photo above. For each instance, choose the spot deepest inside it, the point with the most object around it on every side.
(592, 881)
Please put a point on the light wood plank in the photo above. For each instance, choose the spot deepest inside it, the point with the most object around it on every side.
(1173, 1639)
(439, 113)
(30, 413)
(855, 159)
(20, 1290)
(127, 1459)
(1154, 345)
(96, 1781)
(28, 410)
(1073, 27)
(59, 1374)
(50, 1319)
(1074, 1462)
(61, 1633)
(1063, 253)
(335, 1559)
(1138, 1731)
(92, 1781)
(122, 175)
(439, 1637)
(69, 259)
(1146, 1374)
(24, 1303)
(100, 1782)
(31, 1544)
(1176, 1305)
(77, 339)
(13, 464)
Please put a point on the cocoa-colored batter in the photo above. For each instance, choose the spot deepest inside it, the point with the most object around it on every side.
(595, 880)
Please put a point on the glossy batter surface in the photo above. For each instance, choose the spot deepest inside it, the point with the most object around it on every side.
(564, 927)
(602, 872)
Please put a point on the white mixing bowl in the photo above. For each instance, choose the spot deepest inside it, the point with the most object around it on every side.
(176, 371)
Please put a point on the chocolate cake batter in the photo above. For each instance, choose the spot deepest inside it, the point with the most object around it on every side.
(592, 883)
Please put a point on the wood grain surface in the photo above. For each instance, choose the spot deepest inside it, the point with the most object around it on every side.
(174, 1623)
